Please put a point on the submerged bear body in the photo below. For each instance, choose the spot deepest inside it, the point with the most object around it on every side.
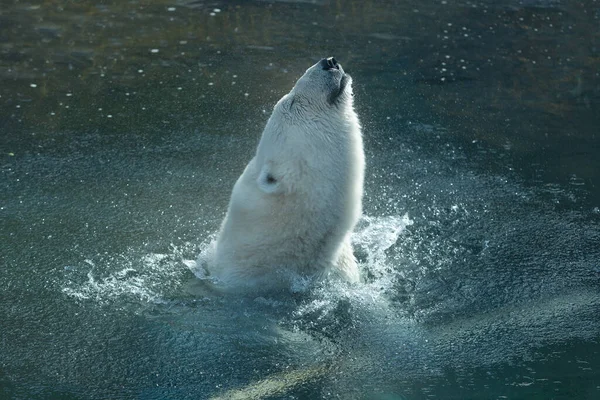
(294, 207)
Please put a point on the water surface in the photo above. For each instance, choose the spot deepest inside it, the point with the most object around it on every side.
(123, 126)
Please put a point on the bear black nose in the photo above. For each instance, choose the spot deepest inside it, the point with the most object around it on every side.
(329, 63)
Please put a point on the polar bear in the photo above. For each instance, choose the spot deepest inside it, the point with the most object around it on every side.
(294, 207)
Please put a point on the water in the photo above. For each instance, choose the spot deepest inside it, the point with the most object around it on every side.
(124, 126)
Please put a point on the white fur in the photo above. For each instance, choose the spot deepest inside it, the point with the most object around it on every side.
(295, 205)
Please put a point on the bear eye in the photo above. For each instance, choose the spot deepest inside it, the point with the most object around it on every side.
(270, 179)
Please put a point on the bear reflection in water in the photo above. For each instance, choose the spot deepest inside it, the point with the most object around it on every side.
(294, 207)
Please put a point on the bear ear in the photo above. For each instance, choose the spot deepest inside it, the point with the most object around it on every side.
(268, 182)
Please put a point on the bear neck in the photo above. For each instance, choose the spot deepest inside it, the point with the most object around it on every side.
(295, 107)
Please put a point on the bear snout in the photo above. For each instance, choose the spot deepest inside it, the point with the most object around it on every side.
(329, 63)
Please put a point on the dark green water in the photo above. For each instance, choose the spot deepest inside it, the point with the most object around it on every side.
(123, 126)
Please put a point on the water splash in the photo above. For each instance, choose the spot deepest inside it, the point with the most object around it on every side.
(331, 306)
(125, 282)
(147, 279)
(373, 238)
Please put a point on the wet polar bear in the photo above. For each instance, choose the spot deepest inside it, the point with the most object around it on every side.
(294, 207)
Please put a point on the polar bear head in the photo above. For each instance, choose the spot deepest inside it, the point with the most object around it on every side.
(322, 86)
